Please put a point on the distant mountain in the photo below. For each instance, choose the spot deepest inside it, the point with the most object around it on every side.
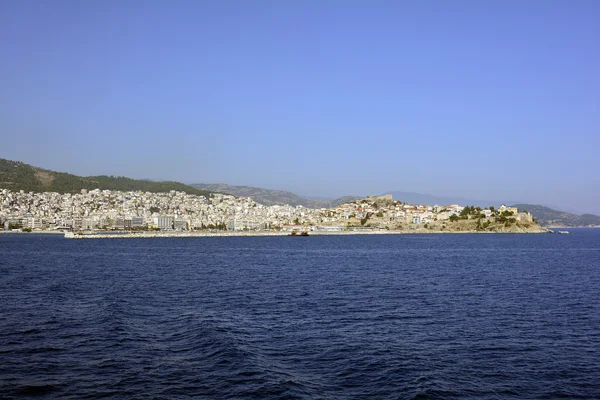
(548, 217)
(15, 175)
(270, 197)
(324, 198)
(419, 198)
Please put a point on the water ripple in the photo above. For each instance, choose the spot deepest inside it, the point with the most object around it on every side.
(386, 317)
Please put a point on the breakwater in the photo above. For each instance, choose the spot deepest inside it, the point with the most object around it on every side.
(147, 235)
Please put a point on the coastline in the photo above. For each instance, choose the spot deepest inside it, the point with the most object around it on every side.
(153, 235)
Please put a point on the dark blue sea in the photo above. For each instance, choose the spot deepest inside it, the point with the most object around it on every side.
(452, 316)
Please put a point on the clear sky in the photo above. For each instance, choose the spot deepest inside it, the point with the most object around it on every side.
(479, 99)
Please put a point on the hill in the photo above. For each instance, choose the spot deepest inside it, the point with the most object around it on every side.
(420, 198)
(15, 175)
(270, 197)
(549, 217)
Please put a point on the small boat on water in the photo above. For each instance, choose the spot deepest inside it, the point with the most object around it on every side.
(295, 233)
(564, 232)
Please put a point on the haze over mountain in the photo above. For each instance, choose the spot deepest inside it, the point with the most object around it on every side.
(16, 176)
(546, 216)
(420, 198)
(270, 197)
(553, 218)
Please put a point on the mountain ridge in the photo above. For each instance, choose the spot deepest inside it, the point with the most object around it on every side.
(549, 217)
(16, 175)
(422, 198)
(270, 197)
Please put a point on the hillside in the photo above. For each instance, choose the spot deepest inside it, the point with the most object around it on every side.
(270, 197)
(548, 217)
(15, 175)
(420, 198)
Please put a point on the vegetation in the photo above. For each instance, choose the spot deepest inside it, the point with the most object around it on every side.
(220, 226)
(470, 210)
(364, 220)
(16, 176)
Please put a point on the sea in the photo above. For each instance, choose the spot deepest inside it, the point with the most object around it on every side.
(432, 316)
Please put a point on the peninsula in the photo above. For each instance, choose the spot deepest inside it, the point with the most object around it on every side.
(94, 211)
(38, 200)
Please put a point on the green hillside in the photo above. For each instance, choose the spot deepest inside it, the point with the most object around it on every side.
(548, 217)
(15, 175)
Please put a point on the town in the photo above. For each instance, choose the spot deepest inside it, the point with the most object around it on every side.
(106, 210)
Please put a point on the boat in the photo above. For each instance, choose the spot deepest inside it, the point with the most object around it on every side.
(296, 233)
(564, 232)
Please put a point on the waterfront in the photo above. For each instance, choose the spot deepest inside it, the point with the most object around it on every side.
(163, 235)
(176, 212)
(381, 316)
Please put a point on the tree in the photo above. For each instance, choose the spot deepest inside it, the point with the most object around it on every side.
(365, 219)
(492, 209)
(454, 218)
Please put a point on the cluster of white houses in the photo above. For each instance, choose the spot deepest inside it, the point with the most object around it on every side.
(116, 210)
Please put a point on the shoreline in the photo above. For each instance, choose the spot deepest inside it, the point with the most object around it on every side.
(158, 235)
(190, 234)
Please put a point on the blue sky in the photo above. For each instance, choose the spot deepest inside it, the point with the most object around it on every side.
(487, 100)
